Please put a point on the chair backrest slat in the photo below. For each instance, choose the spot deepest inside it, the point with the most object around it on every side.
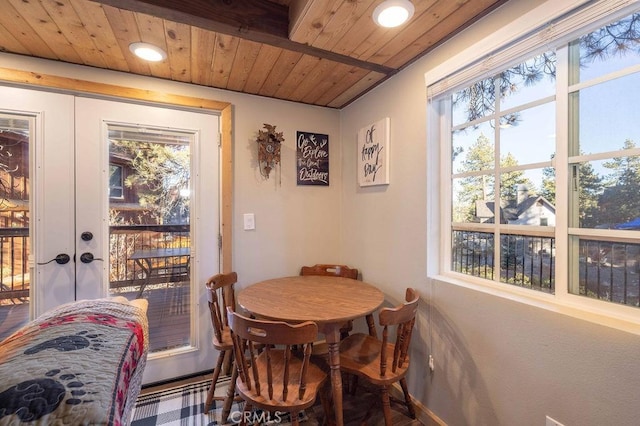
(267, 347)
(403, 317)
(285, 374)
(267, 350)
(305, 367)
(383, 354)
(243, 367)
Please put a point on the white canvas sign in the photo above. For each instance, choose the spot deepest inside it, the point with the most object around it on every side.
(373, 154)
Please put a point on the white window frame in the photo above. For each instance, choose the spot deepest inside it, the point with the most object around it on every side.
(548, 26)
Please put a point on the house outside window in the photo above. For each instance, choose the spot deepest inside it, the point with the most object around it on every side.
(542, 166)
(116, 182)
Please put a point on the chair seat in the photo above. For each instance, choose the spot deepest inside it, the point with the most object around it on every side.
(360, 355)
(315, 379)
(382, 363)
(225, 343)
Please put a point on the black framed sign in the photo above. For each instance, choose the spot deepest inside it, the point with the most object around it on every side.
(312, 158)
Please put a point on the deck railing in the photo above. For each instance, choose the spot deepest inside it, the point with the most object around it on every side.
(610, 271)
(607, 270)
(525, 261)
(14, 257)
(124, 240)
(127, 239)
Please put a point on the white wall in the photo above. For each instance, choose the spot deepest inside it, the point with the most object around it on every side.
(498, 361)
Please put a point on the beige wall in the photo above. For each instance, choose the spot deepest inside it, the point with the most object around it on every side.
(497, 361)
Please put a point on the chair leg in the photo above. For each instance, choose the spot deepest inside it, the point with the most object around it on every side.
(231, 393)
(407, 398)
(228, 366)
(247, 410)
(344, 331)
(325, 401)
(214, 380)
(386, 406)
(372, 326)
(294, 418)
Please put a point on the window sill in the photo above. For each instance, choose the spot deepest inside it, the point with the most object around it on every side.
(572, 306)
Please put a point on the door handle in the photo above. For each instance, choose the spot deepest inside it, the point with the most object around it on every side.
(60, 259)
(88, 257)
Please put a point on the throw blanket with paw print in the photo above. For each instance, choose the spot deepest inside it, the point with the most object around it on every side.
(79, 364)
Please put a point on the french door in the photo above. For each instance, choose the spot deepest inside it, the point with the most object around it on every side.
(129, 193)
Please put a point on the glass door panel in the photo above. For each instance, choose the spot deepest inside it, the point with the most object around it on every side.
(150, 240)
(15, 134)
(37, 271)
(151, 211)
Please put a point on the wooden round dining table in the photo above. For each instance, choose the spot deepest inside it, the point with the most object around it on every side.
(329, 301)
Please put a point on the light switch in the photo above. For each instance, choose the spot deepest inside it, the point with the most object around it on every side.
(249, 221)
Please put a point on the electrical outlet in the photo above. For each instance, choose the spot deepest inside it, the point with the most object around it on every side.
(432, 365)
(552, 422)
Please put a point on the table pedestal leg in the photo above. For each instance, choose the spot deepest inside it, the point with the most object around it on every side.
(333, 340)
(146, 270)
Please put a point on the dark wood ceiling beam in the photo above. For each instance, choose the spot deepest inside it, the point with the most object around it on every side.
(255, 20)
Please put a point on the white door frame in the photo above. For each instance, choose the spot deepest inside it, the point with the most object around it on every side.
(56, 83)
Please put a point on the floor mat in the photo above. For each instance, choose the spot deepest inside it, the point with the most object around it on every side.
(184, 405)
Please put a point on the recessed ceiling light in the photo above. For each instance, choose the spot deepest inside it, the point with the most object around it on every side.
(392, 13)
(148, 52)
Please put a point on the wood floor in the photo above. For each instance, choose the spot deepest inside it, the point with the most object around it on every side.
(354, 407)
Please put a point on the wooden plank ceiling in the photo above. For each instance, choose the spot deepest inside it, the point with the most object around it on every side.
(319, 52)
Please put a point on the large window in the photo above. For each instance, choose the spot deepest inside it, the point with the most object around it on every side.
(543, 168)
(604, 163)
(503, 202)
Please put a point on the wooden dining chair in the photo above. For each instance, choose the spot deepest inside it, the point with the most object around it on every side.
(384, 362)
(271, 375)
(330, 270)
(344, 271)
(220, 295)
